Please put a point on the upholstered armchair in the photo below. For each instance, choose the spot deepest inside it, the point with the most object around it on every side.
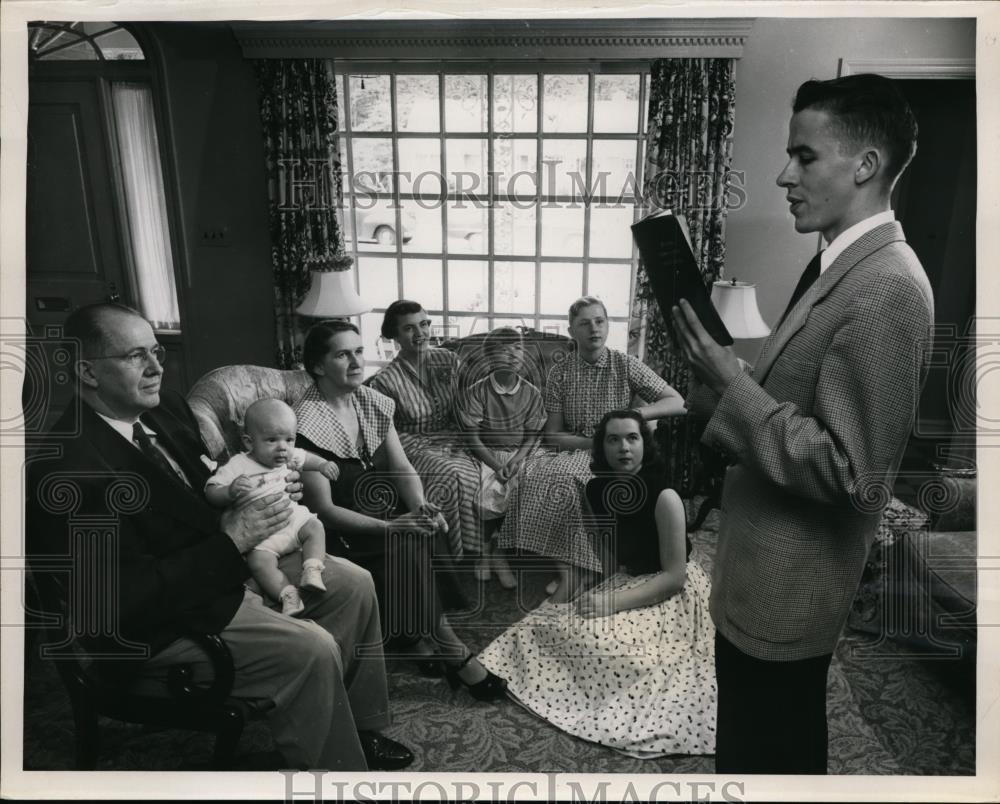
(220, 400)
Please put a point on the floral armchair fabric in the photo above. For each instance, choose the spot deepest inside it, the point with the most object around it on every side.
(220, 399)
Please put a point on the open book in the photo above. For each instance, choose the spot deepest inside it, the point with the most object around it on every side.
(666, 252)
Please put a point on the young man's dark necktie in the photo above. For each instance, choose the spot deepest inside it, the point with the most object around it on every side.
(809, 275)
(149, 449)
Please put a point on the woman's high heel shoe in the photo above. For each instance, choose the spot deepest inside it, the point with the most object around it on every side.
(489, 689)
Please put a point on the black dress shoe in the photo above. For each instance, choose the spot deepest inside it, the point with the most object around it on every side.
(381, 753)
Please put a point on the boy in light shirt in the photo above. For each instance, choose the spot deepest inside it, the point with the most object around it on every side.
(504, 415)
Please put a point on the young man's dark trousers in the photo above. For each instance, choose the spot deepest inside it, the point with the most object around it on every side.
(771, 715)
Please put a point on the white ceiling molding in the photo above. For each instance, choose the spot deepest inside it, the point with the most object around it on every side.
(911, 68)
(478, 40)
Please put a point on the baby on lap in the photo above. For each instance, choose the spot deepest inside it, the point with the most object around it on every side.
(269, 437)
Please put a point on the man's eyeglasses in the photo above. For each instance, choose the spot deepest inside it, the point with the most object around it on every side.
(138, 357)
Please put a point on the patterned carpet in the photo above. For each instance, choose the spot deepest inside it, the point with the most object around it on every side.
(891, 714)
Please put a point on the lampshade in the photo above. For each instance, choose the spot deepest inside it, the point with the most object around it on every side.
(332, 295)
(737, 306)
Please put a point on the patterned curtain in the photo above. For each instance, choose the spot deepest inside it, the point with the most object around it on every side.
(298, 111)
(688, 155)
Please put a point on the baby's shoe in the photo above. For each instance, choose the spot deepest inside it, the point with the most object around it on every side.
(312, 575)
(291, 603)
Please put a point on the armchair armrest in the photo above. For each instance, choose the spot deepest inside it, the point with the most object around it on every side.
(180, 678)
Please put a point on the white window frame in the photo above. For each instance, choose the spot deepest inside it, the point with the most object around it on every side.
(536, 317)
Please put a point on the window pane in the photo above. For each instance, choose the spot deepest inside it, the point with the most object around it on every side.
(562, 284)
(370, 109)
(610, 231)
(341, 102)
(564, 167)
(616, 103)
(467, 167)
(467, 227)
(420, 166)
(422, 283)
(514, 288)
(417, 103)
(616, 160)
(424, 224)
(515, 103)
(612, 285)
(645, 112)
(119, 45)
(459, 326)
(618, 335)
(371, 170)
(378, 282)
(371, 325)
(555, 326)
(468, 286)
(564, 105)
(465, 102)
(515, 163)
(514, 230)
(562, 232)
(82, 51)
(376, 224)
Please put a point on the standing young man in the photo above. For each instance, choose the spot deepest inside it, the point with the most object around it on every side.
(816, 430)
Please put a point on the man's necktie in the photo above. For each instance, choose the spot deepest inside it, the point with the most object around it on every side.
(809, 275)
(149, 449)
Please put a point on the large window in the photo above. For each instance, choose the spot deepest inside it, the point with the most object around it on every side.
(492, 197)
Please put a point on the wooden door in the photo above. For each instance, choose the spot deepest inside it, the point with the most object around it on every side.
(74, 244)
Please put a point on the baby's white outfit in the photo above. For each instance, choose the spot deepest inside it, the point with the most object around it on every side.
(268, 481)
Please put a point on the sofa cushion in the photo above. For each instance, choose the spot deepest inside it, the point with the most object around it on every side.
(919, 585)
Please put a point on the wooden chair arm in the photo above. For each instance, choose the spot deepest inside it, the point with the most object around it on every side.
(180, 678)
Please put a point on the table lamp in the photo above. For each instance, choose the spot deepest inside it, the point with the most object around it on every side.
(737, 306)
(332, 295)
(736, 303)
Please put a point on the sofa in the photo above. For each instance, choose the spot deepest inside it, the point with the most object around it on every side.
(919, 583)
(221, 397)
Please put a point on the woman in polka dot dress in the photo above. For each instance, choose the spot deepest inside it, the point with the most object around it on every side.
(630, 663)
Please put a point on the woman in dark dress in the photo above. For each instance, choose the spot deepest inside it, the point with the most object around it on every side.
(630, 663)
(375, 513)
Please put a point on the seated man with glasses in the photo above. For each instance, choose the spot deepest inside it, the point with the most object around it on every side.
(175, 565)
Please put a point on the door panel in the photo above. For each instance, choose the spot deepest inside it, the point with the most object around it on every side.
(74, 243)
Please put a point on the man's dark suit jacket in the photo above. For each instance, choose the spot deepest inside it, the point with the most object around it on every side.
(174, 570)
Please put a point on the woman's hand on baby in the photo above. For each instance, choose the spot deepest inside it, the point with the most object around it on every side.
(330, 470)
(292, 486)
(509, 469)
(433, 515)
(595, 604)
(413, 523)
(239, 487)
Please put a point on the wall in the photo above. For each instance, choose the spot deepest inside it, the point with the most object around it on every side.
(214, 129)
(761, 243)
